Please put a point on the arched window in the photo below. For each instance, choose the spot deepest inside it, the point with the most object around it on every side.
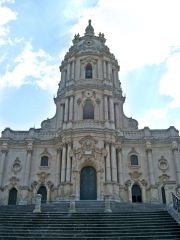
(88, 110)
(44, 161)
(134, 160)
(88, 72)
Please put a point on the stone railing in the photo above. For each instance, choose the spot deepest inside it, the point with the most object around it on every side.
(88, 124)
(32, 133)
(174, 208)
(134, 134)
(148, 133)
(176, 202)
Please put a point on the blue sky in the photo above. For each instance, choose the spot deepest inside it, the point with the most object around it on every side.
(143, 35)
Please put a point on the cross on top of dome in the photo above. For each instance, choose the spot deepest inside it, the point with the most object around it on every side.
(89, 30)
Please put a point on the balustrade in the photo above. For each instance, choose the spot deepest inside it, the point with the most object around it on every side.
(176, 202)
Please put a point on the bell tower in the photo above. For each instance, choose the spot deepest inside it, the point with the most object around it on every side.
(90, 88)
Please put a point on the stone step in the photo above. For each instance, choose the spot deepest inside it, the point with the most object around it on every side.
(130, 221)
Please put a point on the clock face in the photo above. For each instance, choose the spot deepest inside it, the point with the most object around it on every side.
(88, 94)
(88, 43)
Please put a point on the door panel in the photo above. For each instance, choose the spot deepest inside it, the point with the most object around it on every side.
(88, 185)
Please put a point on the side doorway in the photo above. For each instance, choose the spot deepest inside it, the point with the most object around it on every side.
(136, 193)
(12, 200)
(43, 191)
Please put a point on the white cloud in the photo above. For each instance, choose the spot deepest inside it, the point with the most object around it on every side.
(6, 15)
(153, 118)
(32, 68)
(170, 82)
(138, 32)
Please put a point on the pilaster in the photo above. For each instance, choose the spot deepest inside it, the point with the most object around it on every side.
(176, 159)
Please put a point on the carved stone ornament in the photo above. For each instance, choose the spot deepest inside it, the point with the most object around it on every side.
(164, 177)
(29, 147)
(79, 101)
(135, 175)
(128, 183)
(50, 185)
(4, 147)
(45, 152)
(16, 167)
(98, 100)
(174, 146)
(14, 180)
(144, 182)
(163, 164)
(148, 146)
(88, 145)
(88, 94)
(43, 176)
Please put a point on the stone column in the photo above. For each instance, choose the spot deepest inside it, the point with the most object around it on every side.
(58, 165)
(61, 115)
(72, 70)
(106, 118)
(114, 163)
(98, 185)
(129, 193)
(114, 77)
(68, 72)
(71, 108)
(104, 68)
(94, 72)
(108, 164)
(176, 158)
(82, 71)
(117, 76)
(109, 70)
(66, 110)
(4, 152)
(63, 168)
(28, 164)
(117, 115)
(111, 104)
(120, 165)
(68, 168)
(143, 189)
(77, 71)
(99, 69)
(150, 163)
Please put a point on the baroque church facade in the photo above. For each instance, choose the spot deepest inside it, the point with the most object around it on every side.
(89, 149)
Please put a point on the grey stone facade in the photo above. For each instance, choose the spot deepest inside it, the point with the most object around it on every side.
(90, 129)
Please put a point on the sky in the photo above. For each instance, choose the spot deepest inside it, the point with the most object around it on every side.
(143, 35)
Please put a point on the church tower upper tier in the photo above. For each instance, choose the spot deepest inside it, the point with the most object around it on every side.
(89, 94)
(89, 62)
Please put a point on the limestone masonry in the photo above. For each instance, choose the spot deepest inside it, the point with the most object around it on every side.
(89, 149)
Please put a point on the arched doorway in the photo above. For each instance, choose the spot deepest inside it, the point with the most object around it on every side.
(163, 192)
(136, 193)
(12, 200)
(88, 184)
(42, 190)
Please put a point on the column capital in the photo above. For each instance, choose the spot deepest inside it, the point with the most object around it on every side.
(148, 146)
(29, 147)
(174, 146)
(118, 146)
(4, 147)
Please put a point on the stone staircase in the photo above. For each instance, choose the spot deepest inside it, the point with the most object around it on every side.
(127, 221)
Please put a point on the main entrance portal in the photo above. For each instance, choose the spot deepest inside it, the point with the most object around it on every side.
(88, 184)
